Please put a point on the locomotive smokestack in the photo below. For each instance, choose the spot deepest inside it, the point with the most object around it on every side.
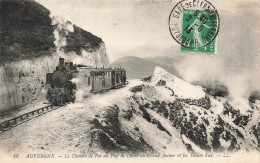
(61, 63)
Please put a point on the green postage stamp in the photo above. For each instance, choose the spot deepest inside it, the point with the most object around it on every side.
(197, 31)
(195, 25)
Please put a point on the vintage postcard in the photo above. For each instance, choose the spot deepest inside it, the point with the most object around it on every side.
(130, 81)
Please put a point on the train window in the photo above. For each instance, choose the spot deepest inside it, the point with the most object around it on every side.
(103, 83)
(117, 78)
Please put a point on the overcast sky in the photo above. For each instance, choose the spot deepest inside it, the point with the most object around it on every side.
(128, 25)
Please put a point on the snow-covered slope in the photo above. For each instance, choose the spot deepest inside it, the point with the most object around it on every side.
(181, 88)
(162, 114)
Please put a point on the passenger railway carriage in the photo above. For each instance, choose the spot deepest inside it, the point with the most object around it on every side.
(68, 77)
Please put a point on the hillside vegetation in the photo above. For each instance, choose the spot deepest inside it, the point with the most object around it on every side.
(27, 32)
(80, 39)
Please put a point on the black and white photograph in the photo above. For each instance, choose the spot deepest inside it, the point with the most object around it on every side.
(130, 81)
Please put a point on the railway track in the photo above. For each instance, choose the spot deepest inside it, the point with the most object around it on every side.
(11, 123)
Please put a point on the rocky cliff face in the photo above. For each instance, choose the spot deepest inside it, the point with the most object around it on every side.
(24, 81)
(32, 40)
(97, 58)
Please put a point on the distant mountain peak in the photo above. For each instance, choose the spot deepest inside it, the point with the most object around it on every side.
(138, 68)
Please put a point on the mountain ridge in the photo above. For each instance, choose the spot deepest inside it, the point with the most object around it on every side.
(137, 67)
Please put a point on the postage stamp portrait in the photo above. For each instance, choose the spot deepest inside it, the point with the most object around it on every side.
(194, 24)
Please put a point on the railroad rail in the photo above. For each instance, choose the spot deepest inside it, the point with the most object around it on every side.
(11, 123)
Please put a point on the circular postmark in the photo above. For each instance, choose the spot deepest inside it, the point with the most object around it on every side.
(194, 23)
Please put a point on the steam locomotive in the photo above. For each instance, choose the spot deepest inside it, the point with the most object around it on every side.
(67, 78)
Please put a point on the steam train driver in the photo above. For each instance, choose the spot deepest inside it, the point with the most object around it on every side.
(50, 92)
(124, 78)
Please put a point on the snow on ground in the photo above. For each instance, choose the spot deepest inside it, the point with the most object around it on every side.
(114, 96)
(149, 132)
(65, 129)
(153, 93)
(216, 105)
(61, 129)
(181, 88)
(68, 129)
(194, 146)
(175, 145)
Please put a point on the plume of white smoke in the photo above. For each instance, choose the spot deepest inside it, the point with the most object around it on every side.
(62, 29)
(237, 62)
(82, 93)
(90, 59)
(240, 78)
(82, 90)
(75, 80)
(86, 58)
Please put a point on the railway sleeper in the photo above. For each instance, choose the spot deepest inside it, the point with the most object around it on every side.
(10, 123)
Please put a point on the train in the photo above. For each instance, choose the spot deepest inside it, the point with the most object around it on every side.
(68, 77)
